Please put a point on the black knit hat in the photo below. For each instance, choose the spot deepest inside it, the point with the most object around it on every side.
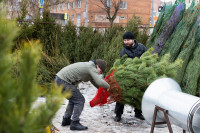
(102, 64)
(128, 35)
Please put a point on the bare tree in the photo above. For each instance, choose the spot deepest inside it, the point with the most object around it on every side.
(17, 8)
(111, 7)
(34, 7)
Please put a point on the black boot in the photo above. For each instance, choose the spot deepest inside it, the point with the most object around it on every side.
(117, 117)
(66, 121)
(75, 125)
(139, 116)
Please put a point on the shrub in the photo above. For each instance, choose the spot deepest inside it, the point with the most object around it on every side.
(87, 42)
(49, 66)
(67, 41)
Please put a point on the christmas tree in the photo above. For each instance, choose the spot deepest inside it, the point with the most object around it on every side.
(135, 75)
(18, 93)
(179, 36)
(188, 48)
(169, 28)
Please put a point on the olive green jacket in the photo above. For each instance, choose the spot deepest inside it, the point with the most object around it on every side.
(82, 71)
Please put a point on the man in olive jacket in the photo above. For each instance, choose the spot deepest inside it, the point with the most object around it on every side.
(132, 49)
(73, 74)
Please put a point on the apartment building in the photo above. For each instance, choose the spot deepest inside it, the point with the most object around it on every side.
(75, 10)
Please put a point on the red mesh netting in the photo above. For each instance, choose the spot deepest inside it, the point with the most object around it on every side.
(114, 93)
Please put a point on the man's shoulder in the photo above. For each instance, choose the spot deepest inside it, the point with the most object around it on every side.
(122, 52)
(80, 65)
(141, 46)
(123, 49)
(91, 65)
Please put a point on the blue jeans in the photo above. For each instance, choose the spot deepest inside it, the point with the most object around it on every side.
(76, 101)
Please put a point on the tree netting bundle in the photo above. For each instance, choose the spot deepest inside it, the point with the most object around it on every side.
(167, 14)
(187, 13)
(191, 78)
(191, 66)
(182, 44)
(179, 36)
(162, 20)
(169, 28)
(188, 48)
(133, 76)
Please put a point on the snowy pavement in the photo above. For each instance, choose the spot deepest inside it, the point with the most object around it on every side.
(101, 119)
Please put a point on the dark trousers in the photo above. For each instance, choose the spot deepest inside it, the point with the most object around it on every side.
(119, 109)
(76, 101)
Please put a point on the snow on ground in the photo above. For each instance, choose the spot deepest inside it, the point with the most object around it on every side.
(101, 119)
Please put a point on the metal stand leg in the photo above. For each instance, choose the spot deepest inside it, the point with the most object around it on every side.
(157, 123)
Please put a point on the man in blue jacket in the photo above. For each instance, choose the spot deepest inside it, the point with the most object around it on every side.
(132, 49)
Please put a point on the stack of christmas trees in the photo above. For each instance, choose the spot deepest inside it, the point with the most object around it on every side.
(183, 44)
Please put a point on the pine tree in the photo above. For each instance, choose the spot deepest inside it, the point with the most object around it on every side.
(191, 78)
(184, 44)
(49, 66)
(113, 50)
(173, 46)
(162, 20)
(67, 41)
(133, 25)
(188, 48)
(47, 31)
(192, 68)
(135, 75)
(87, 42)
(18, 94)
(169, 28)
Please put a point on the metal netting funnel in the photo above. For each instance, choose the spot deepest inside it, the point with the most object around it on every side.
(183, 109)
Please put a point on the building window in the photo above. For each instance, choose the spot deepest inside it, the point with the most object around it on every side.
(78, 3)
(122, 17)
(63, 6)
(73, 4)
(58, 7)
(123, 5)
(73, 19)
(78, 22)
(107, 3)
(68, 4)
